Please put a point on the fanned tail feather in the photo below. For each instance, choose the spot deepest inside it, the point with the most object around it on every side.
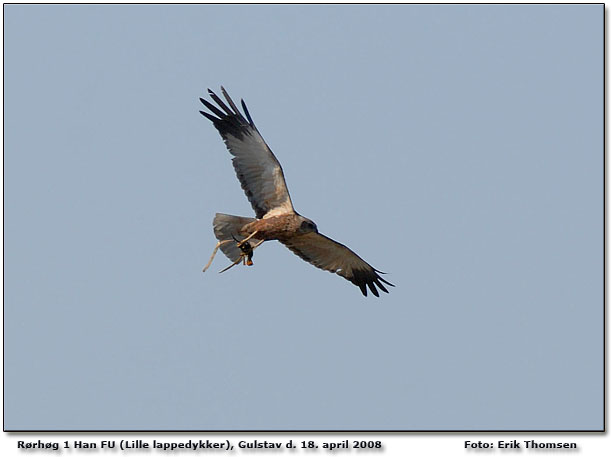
(227, 227)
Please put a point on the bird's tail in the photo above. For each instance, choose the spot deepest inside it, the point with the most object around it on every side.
(228, 227)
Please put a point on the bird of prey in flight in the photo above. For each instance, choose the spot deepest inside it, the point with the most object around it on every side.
(263, 182)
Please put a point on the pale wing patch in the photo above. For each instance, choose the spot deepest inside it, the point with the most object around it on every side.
(258, 170)
(261, 177)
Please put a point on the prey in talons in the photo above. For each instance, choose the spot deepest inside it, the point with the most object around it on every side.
(246, 252)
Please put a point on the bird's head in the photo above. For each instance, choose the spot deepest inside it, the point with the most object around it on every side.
(307, 226)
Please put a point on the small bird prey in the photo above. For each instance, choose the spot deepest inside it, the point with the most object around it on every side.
(263, 182)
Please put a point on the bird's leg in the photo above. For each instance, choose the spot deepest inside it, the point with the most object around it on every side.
(219, 244)
(240, 243)
(247, 252)
(249, 260)
(246, 256)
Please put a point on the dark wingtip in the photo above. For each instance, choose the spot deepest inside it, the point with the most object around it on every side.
(246, 111)
(373, 289)
(209, 116)
(383, 280)
(228, 119)
(364, 290)
(387, 282)
(380, 286)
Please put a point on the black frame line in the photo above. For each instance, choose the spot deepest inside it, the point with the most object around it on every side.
(340, 431)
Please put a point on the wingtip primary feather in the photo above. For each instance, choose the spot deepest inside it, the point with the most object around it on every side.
(380, 286)
(213, 108)
(373, 289)
(230, 101)
(387, 282)
(363, 288)
(209, 116)
(246, 112)
(382, 279)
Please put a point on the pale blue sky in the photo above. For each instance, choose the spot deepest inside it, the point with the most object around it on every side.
(458, 148)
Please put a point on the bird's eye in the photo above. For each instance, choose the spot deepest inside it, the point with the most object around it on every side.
(308, 225)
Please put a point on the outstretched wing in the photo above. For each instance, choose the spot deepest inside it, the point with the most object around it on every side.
(258, 170)
(327, 254)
